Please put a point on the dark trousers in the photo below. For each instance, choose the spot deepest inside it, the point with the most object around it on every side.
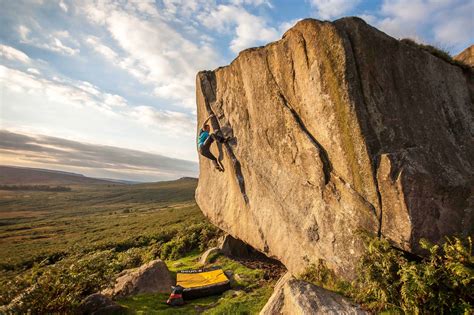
(205, 148)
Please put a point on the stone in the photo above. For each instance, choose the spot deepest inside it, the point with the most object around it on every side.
(337, 128)
(208, 254)
(97, 303)
(296, 297)
(153, 277)
(235, 247)
(466, 56)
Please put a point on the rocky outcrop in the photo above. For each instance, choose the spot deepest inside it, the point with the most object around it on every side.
(466, 56)
(296, 297)
(152, 277)
(337, 128)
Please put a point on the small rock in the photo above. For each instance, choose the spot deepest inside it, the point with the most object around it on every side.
(208, 254)
(297, 297)
(152, 277)
(98, 303)
(229, 273)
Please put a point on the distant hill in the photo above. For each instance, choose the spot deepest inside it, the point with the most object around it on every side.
(14, 175)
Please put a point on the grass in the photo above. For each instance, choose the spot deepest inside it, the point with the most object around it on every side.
(248, 295)
(66, 245)
(36, 225)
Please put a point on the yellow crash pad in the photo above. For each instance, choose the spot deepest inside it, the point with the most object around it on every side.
(200, 279)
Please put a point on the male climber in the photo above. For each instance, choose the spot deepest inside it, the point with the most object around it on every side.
(205, 139)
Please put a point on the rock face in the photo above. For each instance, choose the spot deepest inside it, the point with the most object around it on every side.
(337, 128)
(152, 277)
(466, 56)
(296, 297)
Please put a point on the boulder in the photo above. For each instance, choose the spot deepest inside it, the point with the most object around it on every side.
(152, 277)
(337, 128)
(97, 303)
(295, 297)
(466, 56)
(208, 254)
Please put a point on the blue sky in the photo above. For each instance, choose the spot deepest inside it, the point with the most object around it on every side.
(109, 74)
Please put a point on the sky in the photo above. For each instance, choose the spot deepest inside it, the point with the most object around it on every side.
(107, 88)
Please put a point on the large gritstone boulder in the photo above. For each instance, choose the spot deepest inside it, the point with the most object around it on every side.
(338, 128)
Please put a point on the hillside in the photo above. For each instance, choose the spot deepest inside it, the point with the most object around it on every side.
(14, 175)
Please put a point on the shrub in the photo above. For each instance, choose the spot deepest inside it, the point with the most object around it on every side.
(442, 282)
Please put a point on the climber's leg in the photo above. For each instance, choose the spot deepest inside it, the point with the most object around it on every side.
(206, 152)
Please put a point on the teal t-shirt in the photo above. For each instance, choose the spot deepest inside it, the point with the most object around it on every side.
(203, 135)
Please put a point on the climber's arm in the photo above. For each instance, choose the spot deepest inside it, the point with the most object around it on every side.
(207, 119)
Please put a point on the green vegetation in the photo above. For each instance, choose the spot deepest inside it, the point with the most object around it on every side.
(438, 52)
(442, 282)
(250, 291)
(58, 247)
(35, 188)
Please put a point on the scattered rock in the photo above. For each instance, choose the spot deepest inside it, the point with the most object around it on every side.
(152, 277)
(337, 128)
(208, 254)
(229, 273)
(97, 304)
(294, 297)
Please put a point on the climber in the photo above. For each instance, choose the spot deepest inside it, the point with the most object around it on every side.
(205, 139)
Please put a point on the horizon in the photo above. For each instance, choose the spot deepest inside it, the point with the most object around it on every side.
(106, 89)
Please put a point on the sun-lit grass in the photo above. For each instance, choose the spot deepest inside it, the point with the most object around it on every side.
(249, 292)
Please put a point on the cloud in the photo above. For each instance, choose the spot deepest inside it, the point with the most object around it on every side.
(54, 41)
(63, 6)
(13, 54)
(91, 158)
(84, 94)
(33, 71)
(330, 9)
(152, 50)
(448, 23)
(249, 30)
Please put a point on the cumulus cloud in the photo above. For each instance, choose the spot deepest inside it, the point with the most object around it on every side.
(11, 53)
(54, 41)
(330, 9)
(249, 30)
(448, 23)
(93, 159)
(63, 6)
(154, 51)
(81, 94)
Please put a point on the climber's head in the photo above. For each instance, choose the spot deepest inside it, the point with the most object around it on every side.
(206, 127)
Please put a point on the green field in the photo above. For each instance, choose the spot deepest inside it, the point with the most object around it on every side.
(35, 224)
(61, 246)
